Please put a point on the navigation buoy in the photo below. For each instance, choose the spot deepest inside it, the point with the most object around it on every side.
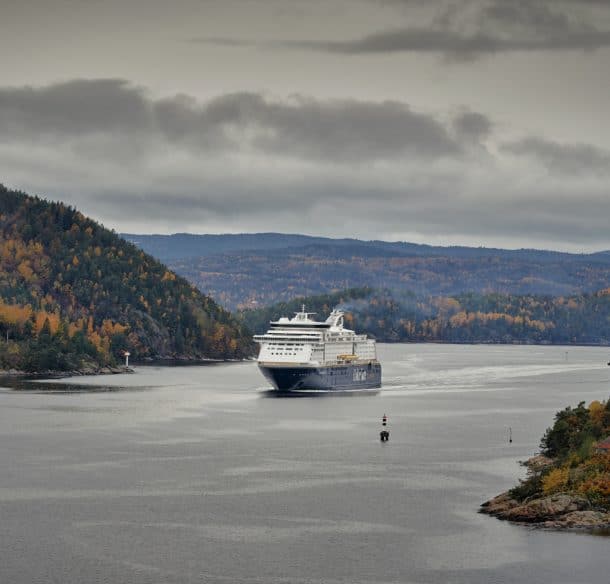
(510, 435)
(384, 435)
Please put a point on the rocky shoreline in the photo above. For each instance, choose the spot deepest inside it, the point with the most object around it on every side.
(558, 511)
(14, 373)
(564, 511)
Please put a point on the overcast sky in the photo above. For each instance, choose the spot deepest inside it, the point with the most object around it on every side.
(477, 122)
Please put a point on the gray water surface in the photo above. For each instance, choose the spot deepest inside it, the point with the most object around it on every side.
(196, 474)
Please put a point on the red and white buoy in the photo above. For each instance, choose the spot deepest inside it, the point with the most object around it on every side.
(384, 435)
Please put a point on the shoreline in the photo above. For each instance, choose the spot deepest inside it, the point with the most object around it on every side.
(559, 512)
(52, 374)
(112, 370)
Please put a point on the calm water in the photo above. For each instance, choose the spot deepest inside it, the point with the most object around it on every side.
(194, 474)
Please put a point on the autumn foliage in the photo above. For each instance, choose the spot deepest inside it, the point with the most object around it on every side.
(73, 292)
(578, 465)
(394, 316)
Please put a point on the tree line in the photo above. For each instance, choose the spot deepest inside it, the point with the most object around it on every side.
(398, 316)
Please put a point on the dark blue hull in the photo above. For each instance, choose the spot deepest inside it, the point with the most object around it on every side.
(350, 377)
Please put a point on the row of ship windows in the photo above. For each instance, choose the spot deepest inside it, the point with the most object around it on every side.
(285, 350)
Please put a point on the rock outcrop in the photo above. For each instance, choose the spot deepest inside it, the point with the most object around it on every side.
(557, 511)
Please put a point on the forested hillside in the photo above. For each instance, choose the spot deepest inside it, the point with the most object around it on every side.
(463, 318)
(253, 270)
(74, 293)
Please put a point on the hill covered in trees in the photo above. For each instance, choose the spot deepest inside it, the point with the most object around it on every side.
(73, 293)
(462, 318)
(253, 270)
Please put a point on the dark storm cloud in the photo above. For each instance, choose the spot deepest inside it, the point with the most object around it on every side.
(335, 129)
(529, 15)
(562, 158)
(472, 126)
(451, 43)
(467, 29)
(74, 107)
(331, 130)
(246, 162)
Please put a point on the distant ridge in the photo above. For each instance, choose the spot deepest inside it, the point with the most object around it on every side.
(187, 245)
(252, 270)
(190, 245)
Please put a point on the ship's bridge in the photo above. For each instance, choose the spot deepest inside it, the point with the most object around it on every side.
(302, 320)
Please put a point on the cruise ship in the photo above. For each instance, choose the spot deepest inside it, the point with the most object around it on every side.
(302, 354)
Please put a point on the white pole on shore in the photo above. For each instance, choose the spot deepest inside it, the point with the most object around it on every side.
(126, 353)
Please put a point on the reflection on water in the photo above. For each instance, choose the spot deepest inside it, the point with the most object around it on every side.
(190, 474)
(38, 385)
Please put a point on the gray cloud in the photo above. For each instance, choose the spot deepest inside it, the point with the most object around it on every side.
(472, 126)
(75, 107)
(332, 130)
(562, 158)
(467, 29)
(337, 130)
(519, 16)
(455, 44)
(246, 162)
